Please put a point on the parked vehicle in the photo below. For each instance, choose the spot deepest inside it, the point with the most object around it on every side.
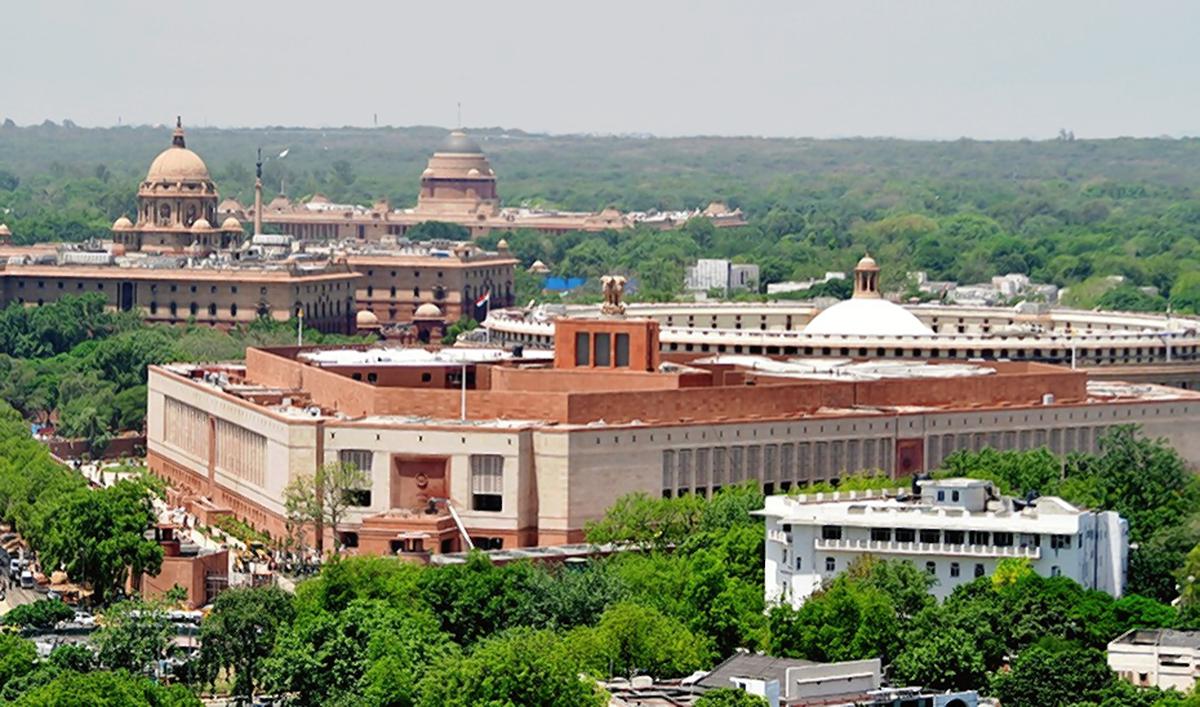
(27, 580)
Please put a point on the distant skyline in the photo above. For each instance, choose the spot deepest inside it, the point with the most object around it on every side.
(940, 69)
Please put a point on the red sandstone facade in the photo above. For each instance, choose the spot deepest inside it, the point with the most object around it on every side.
(532, 450)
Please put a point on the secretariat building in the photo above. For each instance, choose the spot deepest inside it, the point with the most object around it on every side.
(180, 260)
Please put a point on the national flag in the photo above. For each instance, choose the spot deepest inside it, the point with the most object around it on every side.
(484, 299)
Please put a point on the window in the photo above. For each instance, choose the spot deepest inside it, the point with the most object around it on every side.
(1055, 571)
(603, 350)
(941, 495)
(798, 563)
(622, 352)
(931, 567)
(359, 498)
(487, 482)
(979, 571)
(358, 458)
(192, 308)
(233, 310)
(881, 535)
(830, 564)
(954, 496)
(905, 535)
(582, 348)
(931, 536)
(831, 532)
(212, 310)
(953, 537)
(978, 537)
(954, 570)
(372, 377)
(1001, 539)
(348, 538)
(1058, 542)
(154, 307)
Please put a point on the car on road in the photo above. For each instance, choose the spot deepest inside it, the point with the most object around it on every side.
(27, 580)
(14, 568)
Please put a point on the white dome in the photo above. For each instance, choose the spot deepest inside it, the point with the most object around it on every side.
(862, 316)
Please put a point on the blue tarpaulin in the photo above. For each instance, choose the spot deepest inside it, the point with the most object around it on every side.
(562, 284)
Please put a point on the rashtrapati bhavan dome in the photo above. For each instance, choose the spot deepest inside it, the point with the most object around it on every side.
(459, 186)
(177, 205)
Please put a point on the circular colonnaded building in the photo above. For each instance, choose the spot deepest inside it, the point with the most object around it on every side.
(1136, 347)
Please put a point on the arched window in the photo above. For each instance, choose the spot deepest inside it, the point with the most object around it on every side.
(416, 292)
(393, 291)
(233, 309)
(174, 309)
(154, 308)
(370, 290)
(192, 308)
(212, 309)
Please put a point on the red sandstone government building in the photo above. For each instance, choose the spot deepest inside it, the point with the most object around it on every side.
(528, 449)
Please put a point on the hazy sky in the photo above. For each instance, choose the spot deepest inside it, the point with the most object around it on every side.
(936, 69)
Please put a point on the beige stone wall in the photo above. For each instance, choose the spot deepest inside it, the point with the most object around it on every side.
(327, 301)
(558, 479)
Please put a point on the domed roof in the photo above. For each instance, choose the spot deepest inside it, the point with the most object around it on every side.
(5, 232)
(867, 263)
(366, 319)
(176, 164)
(538, 267)
(231, 224)
(122, 224)
(201, 224)
(867, 317)
(428, 310)
(503, 244)
(459, 143)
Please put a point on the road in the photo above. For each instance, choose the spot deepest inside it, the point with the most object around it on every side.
(17, 596)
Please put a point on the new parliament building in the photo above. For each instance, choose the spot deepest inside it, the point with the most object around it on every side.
(524, 446)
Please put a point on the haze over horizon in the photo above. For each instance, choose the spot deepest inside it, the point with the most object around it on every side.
(938, 70)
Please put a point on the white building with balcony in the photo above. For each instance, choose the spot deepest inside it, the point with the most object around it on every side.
(955, 529)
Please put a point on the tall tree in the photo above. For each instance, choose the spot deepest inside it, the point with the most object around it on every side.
(322, 499)
(133, 636)
(241, 630)
(98, 536)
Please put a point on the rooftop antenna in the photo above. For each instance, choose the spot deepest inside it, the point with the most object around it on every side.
(258, 194)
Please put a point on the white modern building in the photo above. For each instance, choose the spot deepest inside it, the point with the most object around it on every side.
(1161, 658)
(717, 274)
(955, 529)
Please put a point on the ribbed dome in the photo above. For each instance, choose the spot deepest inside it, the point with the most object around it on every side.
(177, 164)
(231, 224)
(122, 224)
(428, 311)
(459, 143)
(867, 317)
(201, 224)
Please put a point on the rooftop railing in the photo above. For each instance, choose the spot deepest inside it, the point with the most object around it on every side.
(893, 547)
